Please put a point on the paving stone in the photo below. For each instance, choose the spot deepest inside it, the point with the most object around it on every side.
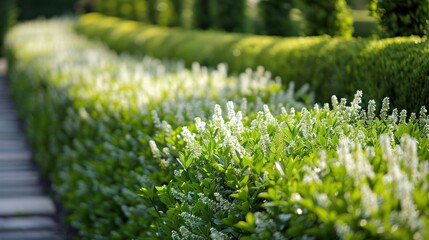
(20, 191)
(27, 223)
(29, 235)
(19, 177)
(18, 174)
(9, 121)
(12, 144)
(25, 212)
(28, 180)
(14, 167)
(15, 156)
(9, 129)
(26, 206)
(10, 136)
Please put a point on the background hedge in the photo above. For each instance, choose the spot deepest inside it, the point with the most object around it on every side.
(8, 15)
(401, 18)
(31, 9)
(395, 67)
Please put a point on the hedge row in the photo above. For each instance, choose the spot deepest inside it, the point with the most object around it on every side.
(7, 19)
(395, 67)
(90, 115)
(211, 160)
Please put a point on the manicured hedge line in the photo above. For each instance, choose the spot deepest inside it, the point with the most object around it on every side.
(104, 126)
(90, 115)
(395, 67)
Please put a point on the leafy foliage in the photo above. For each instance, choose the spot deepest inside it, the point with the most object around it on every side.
(202, 14)
(402, 18)
(8, 17)
(330, 17)
(395, 67)
(43, 8)
(92, 115)
(214, 157)
(320, 173)
(229, 15)
(177, 9)
(275, 17)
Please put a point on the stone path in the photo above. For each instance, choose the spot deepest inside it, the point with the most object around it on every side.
(26, 211)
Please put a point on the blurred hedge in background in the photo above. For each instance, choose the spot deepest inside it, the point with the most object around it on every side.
(7, 18)
(229, 15)
(201, 14)
(272, 17)
(402, 18)
(395, 67)
(275, 17)
(30, 9)
(330, 17)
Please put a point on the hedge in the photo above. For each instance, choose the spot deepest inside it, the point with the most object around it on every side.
(145, 149)
(394, 67)
(90, 115)
(32, 9)
(8, 14)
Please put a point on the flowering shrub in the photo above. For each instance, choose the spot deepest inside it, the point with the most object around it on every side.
(92, 116)
(146, 149)
(394, 67)
(338, 171)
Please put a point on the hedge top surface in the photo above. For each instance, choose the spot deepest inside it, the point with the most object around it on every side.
(395, 67)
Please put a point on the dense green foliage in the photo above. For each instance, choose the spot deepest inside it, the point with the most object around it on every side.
(7, 19)
(216, 157)
(88, 112)
(201, 14)
(31, 9)
(177, 10)
(396, 67)
(272, 17)
(275, 17)
(402, 18)
(161, 12)
(151, 11)
(229, 15)
(330, 17)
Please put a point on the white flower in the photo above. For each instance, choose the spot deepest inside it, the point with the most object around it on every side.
(191, 143)
(216, 235)
(371, 111)
(368, 200)
(230, 109)
(200, 125)
(384, 108)
(155, 151)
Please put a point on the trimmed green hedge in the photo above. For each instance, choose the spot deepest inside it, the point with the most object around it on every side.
(90, 115)
(146, 149)
(8, 14)
(395, 67)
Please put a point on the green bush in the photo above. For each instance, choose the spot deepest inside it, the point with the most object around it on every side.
(330, 17)
(402, 18)
(31, 9)
(201, 14)
(275, 17)
(7, 19)
(107, 125)
(395, 67)
(91, 114)
(177, 10)
(152, 11)
(229, 15)
(215, 157)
